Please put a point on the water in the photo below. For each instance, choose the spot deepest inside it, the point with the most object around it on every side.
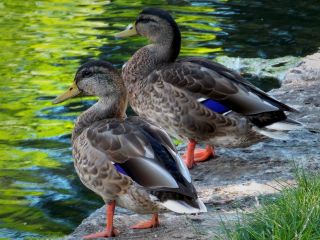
(43, 43)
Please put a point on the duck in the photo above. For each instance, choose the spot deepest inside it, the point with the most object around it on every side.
(195, 99)
(127, 161)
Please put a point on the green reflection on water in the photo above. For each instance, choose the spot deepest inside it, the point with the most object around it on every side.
(43, 43)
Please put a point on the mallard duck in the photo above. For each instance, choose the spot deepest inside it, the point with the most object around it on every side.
(193, 98)
(129, 162)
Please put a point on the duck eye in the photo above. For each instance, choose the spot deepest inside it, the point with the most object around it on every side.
(129, 27)
(86, 73)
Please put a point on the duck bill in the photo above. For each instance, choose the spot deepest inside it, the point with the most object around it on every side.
(73, 91)
(130, 31)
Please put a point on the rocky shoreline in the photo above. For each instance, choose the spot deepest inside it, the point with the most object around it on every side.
(235, 178)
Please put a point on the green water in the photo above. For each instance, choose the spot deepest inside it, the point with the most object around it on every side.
(41, 45)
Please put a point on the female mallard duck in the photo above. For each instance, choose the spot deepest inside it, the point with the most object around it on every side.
(194, 98)
(127, 161)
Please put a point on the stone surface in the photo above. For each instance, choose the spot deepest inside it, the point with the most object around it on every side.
(307, 70)
(235, 179)
(260, 68)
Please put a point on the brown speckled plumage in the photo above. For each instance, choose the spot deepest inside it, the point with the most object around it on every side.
(167, 92)
(104, 141)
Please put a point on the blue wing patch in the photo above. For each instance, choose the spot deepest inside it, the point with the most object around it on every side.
(120, 169)
(215, 106)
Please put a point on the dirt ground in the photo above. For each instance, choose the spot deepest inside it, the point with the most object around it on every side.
(235, 179)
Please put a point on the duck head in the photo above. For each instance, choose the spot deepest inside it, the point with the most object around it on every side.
(94, 78)
(158, 26)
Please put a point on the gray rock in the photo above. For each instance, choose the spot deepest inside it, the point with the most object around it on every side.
(307, 70)
(235, 179)
(260, 68)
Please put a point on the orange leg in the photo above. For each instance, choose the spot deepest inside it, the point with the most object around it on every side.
(201, 155)
(110, 230)
(194, 155)
(152, 223)
(189, 155)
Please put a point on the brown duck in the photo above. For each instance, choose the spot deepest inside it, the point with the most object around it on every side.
(129, 162)
(194, 98)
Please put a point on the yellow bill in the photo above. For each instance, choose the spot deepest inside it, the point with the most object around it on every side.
(73, 91)
(130, 31)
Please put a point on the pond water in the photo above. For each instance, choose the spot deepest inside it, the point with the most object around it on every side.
(43, 43)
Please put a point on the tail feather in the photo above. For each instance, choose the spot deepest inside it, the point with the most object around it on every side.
(286, 125)
(267, 118)
(180, 206)
(279, 130)
(272, 134)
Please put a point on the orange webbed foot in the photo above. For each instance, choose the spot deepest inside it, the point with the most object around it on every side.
(152, 223)
(192, 155)
(110, 231)
(113, 233)
(201, 155)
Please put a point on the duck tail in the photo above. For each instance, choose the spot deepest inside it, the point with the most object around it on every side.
(279, 130)
(286, 125)
(183, 207)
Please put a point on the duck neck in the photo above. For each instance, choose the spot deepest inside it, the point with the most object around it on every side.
(168, 45)
(162, 51)
(113, 106)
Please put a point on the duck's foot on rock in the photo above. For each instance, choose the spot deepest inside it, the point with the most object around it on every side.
(152, 223)
(194, 155)
(201, 155)
(113, 233)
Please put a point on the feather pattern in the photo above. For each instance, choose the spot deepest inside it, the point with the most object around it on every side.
(127, 160)
(190, 98)
(122, 151)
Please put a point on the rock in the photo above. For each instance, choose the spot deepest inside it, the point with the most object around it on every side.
(260, 68)
(237, 178)
(307, 70)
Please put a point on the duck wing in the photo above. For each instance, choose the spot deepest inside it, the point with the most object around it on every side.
(143, 152)
(204, 80)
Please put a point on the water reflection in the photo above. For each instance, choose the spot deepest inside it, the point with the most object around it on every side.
(43, 43)
(269, 29)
